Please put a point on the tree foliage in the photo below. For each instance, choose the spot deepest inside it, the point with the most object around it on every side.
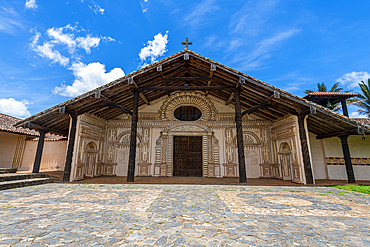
(363, 101)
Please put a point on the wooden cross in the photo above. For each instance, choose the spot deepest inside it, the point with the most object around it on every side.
(187, 43)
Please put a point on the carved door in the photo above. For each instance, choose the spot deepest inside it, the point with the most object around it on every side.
(187, 156)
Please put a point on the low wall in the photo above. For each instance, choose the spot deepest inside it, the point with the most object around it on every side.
(358, 148)
(53, 156)
(8, 144)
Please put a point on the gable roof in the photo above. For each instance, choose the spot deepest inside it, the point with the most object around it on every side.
(173, 71)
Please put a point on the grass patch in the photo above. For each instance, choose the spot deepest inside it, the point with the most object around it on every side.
(356, 188)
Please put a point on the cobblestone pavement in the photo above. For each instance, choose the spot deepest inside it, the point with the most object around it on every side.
(182, 215)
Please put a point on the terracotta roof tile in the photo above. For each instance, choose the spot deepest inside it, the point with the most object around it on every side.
(7, 124)
(330, 93)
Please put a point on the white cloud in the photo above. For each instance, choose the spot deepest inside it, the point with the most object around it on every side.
(356, 114)
(31, 4)
(14, 108)
(251, 17)
(58, 37)
(96, 8)
(352, 79)
(88, 77)
(46, 50)
(200, 10)
(254, 59)
(64, 37)
(154, 48)
(9, 20)
(88, 42)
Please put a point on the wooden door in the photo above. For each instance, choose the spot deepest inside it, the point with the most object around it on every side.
(187, 156)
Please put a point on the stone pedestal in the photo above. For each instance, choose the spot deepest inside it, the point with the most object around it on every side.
(266, 170)
(296, 173)
(157, 170)
(98, 169)
(80, 170)
(163, 170)
(211, 171)
(230, 170)
(144, 169)
(276, 171)
(109, 169)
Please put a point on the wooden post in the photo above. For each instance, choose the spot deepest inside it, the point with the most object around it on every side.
(305, 152)
(239, 134)
(40, 147)
(71, 143)
(132, 156)
(347, 159)
(344, 106)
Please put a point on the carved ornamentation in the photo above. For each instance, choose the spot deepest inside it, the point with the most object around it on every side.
(187, 99)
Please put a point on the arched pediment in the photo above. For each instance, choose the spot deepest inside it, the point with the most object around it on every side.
(195, 99)
(125, 138)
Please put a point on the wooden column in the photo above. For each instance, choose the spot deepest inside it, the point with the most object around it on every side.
(305, 152)
(344, 106)
(71, 144)
(132, 156)
(239, 134)
(347, 159)
(40, 147)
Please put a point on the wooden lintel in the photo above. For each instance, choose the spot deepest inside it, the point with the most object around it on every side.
(229, 99)
(186, 88)
(337, 134)
(257, 107)
(142, 96)
(186, 78)
(46, 129)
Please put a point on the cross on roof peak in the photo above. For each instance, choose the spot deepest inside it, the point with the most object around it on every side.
(187, 43)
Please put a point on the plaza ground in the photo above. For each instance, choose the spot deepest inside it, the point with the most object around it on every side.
(93, 214)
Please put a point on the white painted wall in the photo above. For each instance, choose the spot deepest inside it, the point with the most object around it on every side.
(8, 144)
(318, 157)
(53, 156)
(358, 149)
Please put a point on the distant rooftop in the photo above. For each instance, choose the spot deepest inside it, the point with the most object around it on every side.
(7, 122)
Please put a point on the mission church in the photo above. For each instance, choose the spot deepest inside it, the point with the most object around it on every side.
(187, 115)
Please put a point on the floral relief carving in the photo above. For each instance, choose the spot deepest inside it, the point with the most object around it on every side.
(196, 99)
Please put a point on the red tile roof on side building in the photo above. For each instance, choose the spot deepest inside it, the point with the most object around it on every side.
(7, 122)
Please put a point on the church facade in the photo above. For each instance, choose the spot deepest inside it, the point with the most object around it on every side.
(187, 115)
(167, 146)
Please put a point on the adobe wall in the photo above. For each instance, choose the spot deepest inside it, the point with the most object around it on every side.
(319, 166)
(53, 156)
(358, 149)
(8, 144)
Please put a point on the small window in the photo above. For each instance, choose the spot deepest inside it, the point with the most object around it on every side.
(187, 113)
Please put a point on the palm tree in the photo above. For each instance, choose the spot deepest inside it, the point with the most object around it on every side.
(322, 88)
(336, 89)
(363, 101)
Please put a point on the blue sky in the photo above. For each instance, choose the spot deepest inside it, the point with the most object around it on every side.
(51, 51)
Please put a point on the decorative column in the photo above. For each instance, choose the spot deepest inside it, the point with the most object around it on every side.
(71, 144)
(305, 152)
(132, 155)
(40, 147)
(239, 134)
(347, 159)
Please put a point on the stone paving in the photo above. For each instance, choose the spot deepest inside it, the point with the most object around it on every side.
(182, 215)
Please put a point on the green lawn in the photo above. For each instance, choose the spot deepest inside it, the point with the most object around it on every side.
(357, 188)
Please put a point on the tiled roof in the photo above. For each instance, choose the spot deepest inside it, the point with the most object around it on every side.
(248, 77)
(7, 122)
(363, 121)
(330, 94)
